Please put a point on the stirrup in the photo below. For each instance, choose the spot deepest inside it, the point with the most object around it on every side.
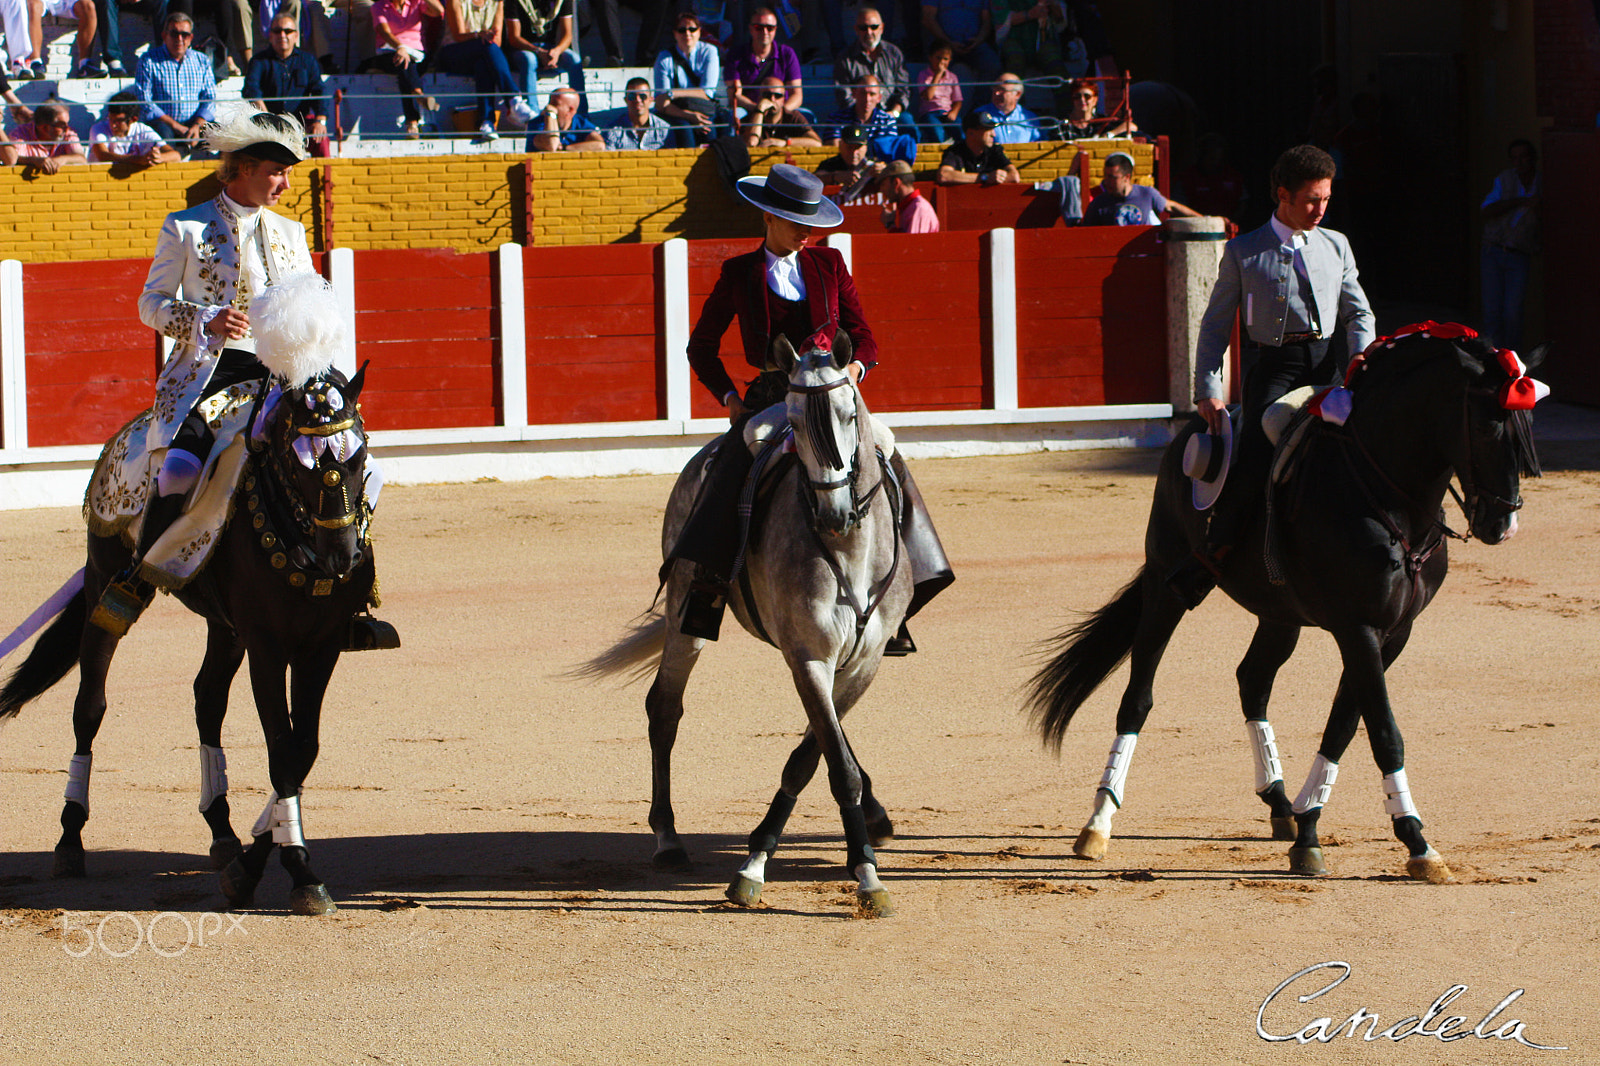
(123, 601)
(702, 610)
(367, 633)
(900, 644)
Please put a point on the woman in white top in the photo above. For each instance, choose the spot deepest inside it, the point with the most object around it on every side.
(472, 48)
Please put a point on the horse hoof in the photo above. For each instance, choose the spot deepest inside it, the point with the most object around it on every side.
(674, 858)
(69, 863)
(224, 850)
(1428, 867)
(743, 891)
(1283, 828)
(311, 900)
(239, 885)
(874, 903)
(1091, 844)
(1307, 862)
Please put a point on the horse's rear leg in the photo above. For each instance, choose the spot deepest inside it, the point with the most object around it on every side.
(1158, 618)
(664, 707)
(88, 712)
(1270, 648)
(224, 653)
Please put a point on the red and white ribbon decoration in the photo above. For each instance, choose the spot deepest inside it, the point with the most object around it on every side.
(1521, 392)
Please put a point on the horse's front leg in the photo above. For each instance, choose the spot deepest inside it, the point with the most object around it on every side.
(1269, 649)
(88, 712)
(1423, 863)
(664, 708)
(224, 653)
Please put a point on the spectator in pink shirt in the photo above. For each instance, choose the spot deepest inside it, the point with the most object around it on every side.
(45, 144)
(908, 211)
(938, 103)
(397, 33)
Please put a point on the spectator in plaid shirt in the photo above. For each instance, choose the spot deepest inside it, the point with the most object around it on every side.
(176, 84)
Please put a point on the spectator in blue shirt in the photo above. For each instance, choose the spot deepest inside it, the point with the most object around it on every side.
(1013, 123)
(1120, 202)
(285, 78)
(559, 127)
(176, 84)
(685, 79)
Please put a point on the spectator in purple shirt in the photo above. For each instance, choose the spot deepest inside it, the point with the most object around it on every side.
(763, 58)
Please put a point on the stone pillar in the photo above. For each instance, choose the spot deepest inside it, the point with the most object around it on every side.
(1194, 248)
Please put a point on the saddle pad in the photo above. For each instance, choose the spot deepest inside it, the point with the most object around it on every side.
(113, 505)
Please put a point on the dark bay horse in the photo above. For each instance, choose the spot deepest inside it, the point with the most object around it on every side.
(1358, 549)
(292, 570)
(826, 581)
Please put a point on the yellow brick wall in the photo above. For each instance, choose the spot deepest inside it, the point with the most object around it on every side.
(465, 202)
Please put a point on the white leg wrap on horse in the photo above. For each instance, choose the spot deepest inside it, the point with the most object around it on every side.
(1115, 779)
(1264, 746)
(213, 776)
(1105, 805)
(755, 868)
(78, 780)
(265, 821)
(1397, 795)
(867, 876)
(1318, 786)
(285, 823)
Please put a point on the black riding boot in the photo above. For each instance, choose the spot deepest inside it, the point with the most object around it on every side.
(710, 538)
(930, 567)
(128, 594)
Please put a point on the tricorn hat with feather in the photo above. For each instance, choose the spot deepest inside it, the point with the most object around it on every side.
(242, 130)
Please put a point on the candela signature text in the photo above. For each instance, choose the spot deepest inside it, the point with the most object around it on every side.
(1364, 1023)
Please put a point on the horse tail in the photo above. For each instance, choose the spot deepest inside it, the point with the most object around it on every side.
(636, 654)
(53, 655)
(1089, 652)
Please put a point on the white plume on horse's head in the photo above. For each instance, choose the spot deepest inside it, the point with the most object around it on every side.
(299, 327)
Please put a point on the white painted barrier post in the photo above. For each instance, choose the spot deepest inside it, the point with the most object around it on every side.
(13, 369)
(674, 289)
(1003, 317)
(511, 316)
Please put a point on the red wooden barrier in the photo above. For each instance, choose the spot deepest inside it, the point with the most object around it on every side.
(1091, 317)
(91, 364)
(705, 263)
(424, 318)
(984, 207)
(592, 327)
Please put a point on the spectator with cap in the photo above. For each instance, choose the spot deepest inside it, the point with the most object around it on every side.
(44, 145)
(121, 138)
(938, 99)
(1120, 201)
(638, 127)
(685, 78)
(771, 125)
(906, 210)
(763, 58)
(976, 159)
(285, 79)
(560, 128)
(849, 168)
(176, 84)
(1014, 124)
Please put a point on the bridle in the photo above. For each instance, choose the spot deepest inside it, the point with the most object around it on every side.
(1470, 495)
(819, 433)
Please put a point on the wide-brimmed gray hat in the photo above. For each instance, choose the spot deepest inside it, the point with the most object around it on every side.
(1206, 459)
(794, 194)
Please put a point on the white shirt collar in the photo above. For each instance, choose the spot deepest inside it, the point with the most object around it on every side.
(245, 214)
(783, 274)
(1294, 238)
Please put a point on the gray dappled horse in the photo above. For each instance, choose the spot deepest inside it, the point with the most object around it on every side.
(1359, 550)
(825, 580)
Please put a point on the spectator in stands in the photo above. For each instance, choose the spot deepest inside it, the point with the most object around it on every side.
(80, 11)
(764, 57)
(26, 62)
(541, 42)
(1510, 240)
(1083, 116)
(283, 78)
(871, 54)
(686, 76)
(849, 168)
(652, 16)
(316, 30)
(1056, 38)
(472, 48)
(397, 29)
(1014, 124)
(560, 128)
(938, 99)
(963, 27)
(121, 138)
(108, 17)
(976, 159)
(20, 111)
(638, 128)
(867, 111)
(44, 145)
(1122, 202)
(906, 210)
(176, 84)
(771, 125)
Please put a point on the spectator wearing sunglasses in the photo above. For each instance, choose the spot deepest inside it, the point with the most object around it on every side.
(686, 78)
(44, 144)
(763, 58)
(869, 53)
(637, 128)
(771, 125)
(176, 84)
(286, 78)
